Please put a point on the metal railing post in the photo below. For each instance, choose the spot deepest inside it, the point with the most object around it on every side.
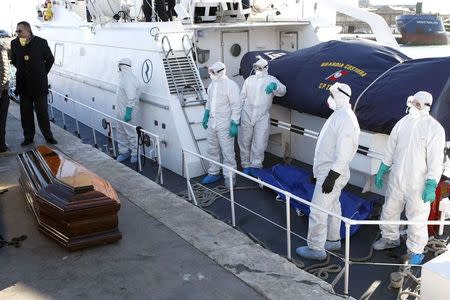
(288, 225)
(138, 153)
(113, 140)
(93, 132)
(158, 145)
(188, 180)
(347, 257)
(64, 121)
(233, 214)
(76, 119)
(52, 114)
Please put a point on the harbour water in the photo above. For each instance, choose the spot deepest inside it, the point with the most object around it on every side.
(426, 51)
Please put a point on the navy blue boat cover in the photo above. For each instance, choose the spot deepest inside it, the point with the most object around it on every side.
(381, 79)
(297, 182)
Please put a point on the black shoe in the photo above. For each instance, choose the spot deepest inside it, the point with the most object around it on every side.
(26, 142)
(52, 141)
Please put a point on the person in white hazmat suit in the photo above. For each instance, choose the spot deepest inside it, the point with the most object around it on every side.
(127, 107)
(414, 159)
(221, 119)
(335, 148)
(257, 94)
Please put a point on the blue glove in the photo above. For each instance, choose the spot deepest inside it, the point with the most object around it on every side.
(271, 87)
(379, 177)
(205, 119)
(429, 193)
(233, 129)
(127, 117)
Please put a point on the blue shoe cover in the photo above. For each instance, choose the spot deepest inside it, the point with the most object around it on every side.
(247, 171)
(254, 171)
(211, 178)
(133, 159)
(309, 253)
(122, 157)
(416, 258)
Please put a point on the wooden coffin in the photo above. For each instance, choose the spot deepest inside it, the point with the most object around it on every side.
(72, 205)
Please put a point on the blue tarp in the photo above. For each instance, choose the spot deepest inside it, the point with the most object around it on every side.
(383, 76)
(297, 182)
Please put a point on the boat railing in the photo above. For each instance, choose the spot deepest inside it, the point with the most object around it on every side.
(289, 198)
(145, 138)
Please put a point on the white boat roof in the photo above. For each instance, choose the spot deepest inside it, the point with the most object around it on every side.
(244, 25)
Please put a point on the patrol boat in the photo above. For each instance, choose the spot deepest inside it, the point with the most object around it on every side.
(171, 60)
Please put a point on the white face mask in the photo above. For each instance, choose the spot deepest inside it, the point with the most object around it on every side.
(259, 73)
(213, 77)
(414, 112)
(331, 103)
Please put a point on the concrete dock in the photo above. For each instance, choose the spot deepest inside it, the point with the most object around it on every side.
(170, 249)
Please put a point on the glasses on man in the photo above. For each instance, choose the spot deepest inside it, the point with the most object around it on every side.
(18, 31)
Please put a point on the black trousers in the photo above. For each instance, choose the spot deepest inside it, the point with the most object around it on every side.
(160, 8)
(4, 104)
(39, 104)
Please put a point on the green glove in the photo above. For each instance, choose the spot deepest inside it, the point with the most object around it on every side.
(429, 193)
(233, 129)
(271, 87)
(128, 112)
(379, 177)
(205, 119)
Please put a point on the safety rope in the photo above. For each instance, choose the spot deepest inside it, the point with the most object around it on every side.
(400, 278)
(207, 196)
(436, 246)
(15, 241)
(323, 270)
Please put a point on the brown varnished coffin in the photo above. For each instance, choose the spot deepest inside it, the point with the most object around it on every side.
(72, 205)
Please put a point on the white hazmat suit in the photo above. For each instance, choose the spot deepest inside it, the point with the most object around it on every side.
(414, 154)
(223, 107)
(255, 117)
(127, 108)
(335, 148)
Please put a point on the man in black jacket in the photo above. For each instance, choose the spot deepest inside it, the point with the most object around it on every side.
(33, 59)
(4, 99)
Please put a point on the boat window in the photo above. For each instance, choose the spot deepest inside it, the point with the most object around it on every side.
(59, 54)
(235, 50)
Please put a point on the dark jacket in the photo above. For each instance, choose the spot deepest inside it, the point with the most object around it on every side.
(33, 62)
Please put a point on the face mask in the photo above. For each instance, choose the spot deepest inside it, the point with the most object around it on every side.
(259, 73)
(213, 77)
(23, 41)
(414, 112)
(331, 103)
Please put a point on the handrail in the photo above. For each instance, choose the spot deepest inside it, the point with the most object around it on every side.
(289, 196)
(315, 135)
(183, 44)
(166, 53)
(154, 136)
